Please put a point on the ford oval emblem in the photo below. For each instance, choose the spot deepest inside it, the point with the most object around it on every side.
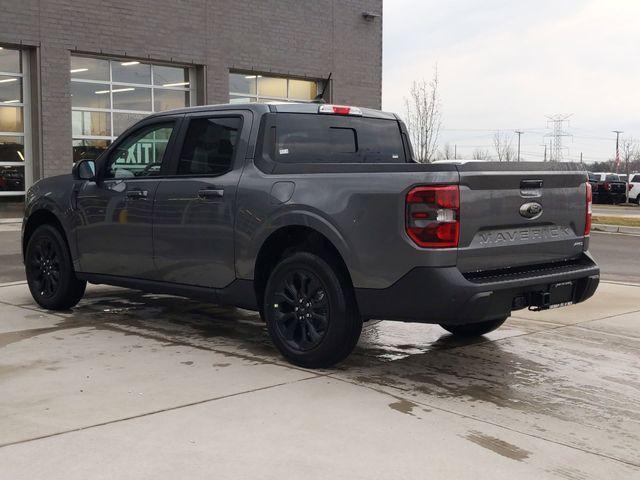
(531, 210)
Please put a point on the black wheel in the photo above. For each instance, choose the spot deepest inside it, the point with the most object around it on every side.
(474, 329)
(50, 275)
(310, 311)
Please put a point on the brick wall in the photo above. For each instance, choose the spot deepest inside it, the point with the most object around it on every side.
(307, 38)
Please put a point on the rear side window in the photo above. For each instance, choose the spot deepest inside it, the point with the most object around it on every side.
(636, 179)
(307, 138)
(209, 146)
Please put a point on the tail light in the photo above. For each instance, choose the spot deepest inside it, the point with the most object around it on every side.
(587, 223)
(607, 186)
(433, 216)
(339, 110)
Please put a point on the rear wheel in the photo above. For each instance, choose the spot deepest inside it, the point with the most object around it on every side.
(474, 329)
(50, 275)
(310, 311)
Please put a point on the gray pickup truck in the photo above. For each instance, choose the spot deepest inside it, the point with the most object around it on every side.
(318, 217)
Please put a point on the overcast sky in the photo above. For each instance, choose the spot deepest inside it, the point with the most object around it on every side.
(508, 64)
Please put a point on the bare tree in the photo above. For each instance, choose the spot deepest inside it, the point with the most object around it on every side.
(629, 150)
(481, 154)
(503, 147)
(423, 117)
(446, 152)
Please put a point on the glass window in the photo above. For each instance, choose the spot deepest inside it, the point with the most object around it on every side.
(241, 83)
(131, 98)
(635, 179)
(11, 119)
(90, 95)
(209, 146)
(12, 178)
(272, 87)
(10, 89)
(131, 72)
(305, 138)
(170, 76)
(612, 178)
(122, 121)
(83, 149)
(125, 91)
(302, 89)
(141, 154)
(253, 87)
(89, 68)
(10, 60)
(91, 123)
(11, 149)
(169, 99)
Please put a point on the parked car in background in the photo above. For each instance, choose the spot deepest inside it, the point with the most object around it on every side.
(607, 188)
(634, 188)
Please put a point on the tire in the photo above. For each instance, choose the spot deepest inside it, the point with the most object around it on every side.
(474, 329)
(311, 312)
(50, 274)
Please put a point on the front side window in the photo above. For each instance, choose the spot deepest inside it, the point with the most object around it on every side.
(209, 146)
(109, 95)
(141, 154)
(309, 138)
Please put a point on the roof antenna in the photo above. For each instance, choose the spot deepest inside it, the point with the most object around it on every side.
(320, 97)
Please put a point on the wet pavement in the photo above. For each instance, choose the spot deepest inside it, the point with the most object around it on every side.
(131, 385)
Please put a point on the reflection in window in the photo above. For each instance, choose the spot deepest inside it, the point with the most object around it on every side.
(89, 149)
(248, 87)
(11, 119)
(141, 154)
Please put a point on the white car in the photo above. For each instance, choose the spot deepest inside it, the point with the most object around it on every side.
(634, 188)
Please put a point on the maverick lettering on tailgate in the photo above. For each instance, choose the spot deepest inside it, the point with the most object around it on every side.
(524, 235)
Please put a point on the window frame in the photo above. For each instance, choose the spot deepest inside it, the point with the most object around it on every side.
(239, 151)
(110, 84)
(26, 134)
(258, 98)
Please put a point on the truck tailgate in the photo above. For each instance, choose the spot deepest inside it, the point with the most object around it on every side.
(515, 214)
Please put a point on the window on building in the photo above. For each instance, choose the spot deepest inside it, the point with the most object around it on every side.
(14, 159)
(249, 88)
(109, 95)
(209, 146)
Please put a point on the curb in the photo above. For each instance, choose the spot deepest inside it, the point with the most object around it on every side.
(600, 227)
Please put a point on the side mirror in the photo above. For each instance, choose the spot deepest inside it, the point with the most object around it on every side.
(84, 170)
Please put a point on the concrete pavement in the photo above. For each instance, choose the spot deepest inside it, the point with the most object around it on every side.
(129, 385)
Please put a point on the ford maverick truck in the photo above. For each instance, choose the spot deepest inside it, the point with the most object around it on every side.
(318, 217)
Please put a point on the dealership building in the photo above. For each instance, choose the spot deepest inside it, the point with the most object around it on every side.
(75, 74)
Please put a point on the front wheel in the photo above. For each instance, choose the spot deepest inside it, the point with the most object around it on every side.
(310, 311)
(50, 275)
(474, 329)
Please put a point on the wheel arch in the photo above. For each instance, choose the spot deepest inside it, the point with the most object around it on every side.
(40, 217)
(288, 239)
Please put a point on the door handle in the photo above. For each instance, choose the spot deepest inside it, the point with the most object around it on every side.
(135, 194)
(210, 193)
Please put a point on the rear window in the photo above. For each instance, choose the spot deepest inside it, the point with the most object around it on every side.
(593, 177)
(612, 178)
(306, 138)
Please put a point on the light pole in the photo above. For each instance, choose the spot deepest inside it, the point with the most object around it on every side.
(519, 132)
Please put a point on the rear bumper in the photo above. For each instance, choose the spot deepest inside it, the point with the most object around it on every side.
(447, 296)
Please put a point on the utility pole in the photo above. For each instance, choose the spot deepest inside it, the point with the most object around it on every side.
(519, 132)
(557, 134)
(545, 151)
(455, 152)
(580, 158)
(617, 132)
